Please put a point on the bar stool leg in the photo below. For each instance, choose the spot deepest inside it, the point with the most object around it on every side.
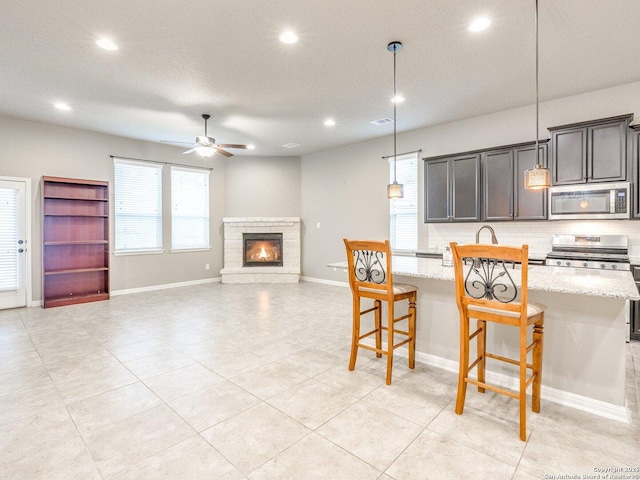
(463, 370)
(355, 334)
(523, 383)
(412, 331)
(537, 364)
(390, 339)
(481, 347)
(378, 325)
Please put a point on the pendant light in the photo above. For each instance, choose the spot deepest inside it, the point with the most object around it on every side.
(538, 177)
(395, 189)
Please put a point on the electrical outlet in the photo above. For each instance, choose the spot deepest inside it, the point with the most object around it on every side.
(318, 225)
(206, 266)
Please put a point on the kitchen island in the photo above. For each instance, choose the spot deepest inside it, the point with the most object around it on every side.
(585, 330)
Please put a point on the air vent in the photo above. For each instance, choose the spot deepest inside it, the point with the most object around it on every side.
(382, 121)
(291, 145)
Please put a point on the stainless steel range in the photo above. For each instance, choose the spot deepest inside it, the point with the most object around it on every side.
(608, 252)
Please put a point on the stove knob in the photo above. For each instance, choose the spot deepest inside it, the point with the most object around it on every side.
(614, 266)
(558, 262)
(568, 264)
(602, 265)
(585, 264)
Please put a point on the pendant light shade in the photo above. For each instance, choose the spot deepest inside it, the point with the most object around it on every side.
(538, 177)
(395, 189)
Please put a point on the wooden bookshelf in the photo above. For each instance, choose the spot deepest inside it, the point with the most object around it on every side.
(75, 241)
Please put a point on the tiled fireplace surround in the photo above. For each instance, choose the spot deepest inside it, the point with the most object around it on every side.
(235, 272)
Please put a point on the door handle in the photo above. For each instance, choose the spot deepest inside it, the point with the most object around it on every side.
(20, 242)
(20, 250)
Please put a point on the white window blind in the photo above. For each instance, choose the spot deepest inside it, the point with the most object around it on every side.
(189, 208)
(8, 239)
(138, 206)
(404, 211)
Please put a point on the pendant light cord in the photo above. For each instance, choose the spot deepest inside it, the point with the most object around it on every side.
(395, 101)
(537, 100)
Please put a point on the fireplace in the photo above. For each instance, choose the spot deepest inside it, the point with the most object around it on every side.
(236, 270)
(262, 249)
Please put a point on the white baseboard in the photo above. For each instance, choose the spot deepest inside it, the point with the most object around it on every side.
(127, 291)
(151, 288)
(326, 282)
(568, 399)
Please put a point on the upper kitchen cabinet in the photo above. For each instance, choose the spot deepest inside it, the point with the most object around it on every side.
(497, 185)
(635, 162)
(594, 151)
(452, 188)
(504, 196)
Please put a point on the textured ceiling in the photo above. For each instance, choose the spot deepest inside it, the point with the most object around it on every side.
(179, 59)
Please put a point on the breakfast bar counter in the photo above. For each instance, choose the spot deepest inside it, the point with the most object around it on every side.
(585, 330)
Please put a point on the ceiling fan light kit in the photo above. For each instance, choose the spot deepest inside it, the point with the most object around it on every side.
(207, 146)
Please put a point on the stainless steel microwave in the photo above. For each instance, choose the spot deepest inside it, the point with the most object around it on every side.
(590, 201)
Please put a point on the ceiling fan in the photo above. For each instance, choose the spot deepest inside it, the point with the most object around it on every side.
(207, 146)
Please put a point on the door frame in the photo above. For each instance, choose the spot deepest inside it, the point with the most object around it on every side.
(28, 238)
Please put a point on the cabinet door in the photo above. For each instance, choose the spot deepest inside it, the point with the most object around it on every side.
(529, 204)
(465, 188)
(436, 191)
(569, 157)
(635, 160)
(607, 154)
(497, 185)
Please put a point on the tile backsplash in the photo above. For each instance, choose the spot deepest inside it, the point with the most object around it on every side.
(535, 234)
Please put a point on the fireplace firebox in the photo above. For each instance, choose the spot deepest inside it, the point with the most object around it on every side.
(262, 249)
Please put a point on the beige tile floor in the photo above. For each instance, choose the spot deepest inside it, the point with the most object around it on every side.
(251, 382)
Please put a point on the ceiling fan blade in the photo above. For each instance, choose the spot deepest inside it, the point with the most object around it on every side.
(191, 150)
(179, 143)
(224, 152)
(231, 145)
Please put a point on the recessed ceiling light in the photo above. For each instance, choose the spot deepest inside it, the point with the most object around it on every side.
(291, 145)
(479, 24)
(251, 147)
(62, 106)
(288, 37)
(106, 44)
(398, 99)
(329, 122)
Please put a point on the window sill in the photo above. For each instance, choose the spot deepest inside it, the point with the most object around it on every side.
(196, 249)
(137, 252)
(404, 253)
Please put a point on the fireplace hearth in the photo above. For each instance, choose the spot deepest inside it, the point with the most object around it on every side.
(262, 250)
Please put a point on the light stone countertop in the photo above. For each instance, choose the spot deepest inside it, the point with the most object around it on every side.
(577, 281)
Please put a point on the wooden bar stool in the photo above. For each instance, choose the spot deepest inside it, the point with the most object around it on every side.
(370, 277)
(487, 292)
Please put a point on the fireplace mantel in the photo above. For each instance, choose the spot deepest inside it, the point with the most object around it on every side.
(235, 272)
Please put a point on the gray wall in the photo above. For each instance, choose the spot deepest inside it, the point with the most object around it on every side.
(262, 187)
(344, 188)
(31, 150)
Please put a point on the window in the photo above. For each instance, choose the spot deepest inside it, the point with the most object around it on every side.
(138, 206)
(404, 211)
(189, 208)
(8, 239)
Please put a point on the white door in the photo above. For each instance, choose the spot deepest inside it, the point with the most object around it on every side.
(13, 234)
